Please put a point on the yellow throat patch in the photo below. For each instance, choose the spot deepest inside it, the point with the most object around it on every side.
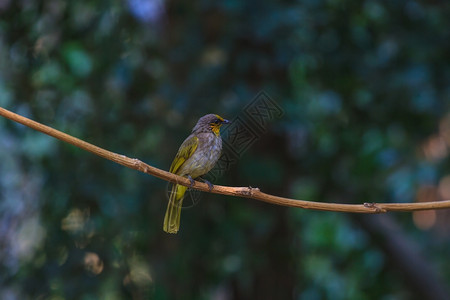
(215, 127)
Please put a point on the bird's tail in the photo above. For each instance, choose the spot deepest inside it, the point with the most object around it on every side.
(173, 212)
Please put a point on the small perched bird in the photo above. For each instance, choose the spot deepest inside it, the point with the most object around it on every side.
(197, 156)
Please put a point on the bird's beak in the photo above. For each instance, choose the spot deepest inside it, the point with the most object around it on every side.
(225, 121)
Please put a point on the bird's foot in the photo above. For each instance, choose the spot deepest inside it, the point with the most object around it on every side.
(191, 180)
(210, 185)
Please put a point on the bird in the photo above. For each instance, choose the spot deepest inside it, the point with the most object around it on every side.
(196, 156)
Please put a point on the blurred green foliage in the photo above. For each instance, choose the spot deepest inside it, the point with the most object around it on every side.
(365, 89)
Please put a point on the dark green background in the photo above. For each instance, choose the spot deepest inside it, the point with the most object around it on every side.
(365, 90)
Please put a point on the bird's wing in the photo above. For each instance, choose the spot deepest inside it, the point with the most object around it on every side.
(186, 150)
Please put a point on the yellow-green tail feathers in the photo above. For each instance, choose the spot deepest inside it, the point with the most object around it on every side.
(173, 212)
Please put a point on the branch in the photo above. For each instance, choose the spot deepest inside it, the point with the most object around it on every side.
(246, 192)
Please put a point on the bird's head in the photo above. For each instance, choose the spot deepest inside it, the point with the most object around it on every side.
(211, 122)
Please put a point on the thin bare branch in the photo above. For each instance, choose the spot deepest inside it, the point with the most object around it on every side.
(247, 192)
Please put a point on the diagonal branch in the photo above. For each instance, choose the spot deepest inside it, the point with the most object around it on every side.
(247, 192)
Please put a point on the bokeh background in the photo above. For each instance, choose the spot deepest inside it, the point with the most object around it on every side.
(365, 90)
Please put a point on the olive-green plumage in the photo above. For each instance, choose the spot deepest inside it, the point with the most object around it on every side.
(197, 156)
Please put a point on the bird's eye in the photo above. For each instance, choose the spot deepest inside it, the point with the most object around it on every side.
(217, 121)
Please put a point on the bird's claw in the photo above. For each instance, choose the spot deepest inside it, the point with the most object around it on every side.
(210, 185)
(192, 181)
